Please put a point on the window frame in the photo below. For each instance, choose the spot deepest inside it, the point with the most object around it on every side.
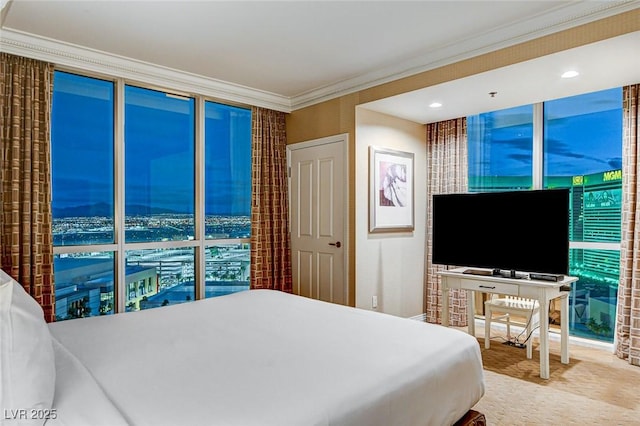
(120, 247)
(538, 172)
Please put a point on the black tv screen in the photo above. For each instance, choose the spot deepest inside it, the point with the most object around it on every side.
(524, 231)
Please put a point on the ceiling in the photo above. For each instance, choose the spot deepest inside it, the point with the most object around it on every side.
(302, 52)
(529, 82)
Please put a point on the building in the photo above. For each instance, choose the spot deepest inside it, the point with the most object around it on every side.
(84, 286)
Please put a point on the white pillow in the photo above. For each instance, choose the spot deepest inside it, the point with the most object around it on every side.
(27, 364)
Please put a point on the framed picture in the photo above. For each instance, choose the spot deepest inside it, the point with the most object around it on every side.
(390, 190)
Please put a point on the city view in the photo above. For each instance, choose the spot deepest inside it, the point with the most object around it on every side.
(154, 277)
(162, 160)
(84, 230)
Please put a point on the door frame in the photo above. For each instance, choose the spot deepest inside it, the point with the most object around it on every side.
(342, 138)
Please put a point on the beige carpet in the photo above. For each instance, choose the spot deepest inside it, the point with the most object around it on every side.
(595, 388)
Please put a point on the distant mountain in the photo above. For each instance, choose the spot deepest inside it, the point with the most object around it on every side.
(99, 209)
(106, 210)
(140, 210)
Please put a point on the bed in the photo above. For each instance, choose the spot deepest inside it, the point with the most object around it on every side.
(258, 357)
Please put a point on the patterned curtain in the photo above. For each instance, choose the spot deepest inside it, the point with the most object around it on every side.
(628, 313)
(446, 173)
(26, 88)
(270, 247)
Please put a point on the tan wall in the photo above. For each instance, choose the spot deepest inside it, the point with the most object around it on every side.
(339, 115)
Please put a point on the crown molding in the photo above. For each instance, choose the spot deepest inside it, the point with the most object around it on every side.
(562, 18)
(74, 57)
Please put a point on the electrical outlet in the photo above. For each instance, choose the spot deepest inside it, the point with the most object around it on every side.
(374, 302)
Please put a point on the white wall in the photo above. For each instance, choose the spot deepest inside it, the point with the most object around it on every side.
(389, 265)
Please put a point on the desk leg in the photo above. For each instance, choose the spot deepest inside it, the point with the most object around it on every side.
(471, 318)
(544, 334)
(564, 329)
(445, 304)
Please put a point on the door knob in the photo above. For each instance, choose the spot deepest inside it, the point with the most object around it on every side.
(337, 244)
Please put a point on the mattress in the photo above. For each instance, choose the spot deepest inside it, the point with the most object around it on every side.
(264, 357)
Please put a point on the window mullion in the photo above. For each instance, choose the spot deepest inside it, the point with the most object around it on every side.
(200, 267)
(537, 162)
(119, 202)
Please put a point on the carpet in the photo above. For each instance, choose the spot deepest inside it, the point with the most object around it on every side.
(595, 387)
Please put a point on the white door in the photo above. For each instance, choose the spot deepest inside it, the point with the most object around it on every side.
(318, 191)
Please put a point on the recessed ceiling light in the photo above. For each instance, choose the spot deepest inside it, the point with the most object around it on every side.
(435, 105)
(570, 74)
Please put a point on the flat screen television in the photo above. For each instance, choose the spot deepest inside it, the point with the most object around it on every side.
(511, 231)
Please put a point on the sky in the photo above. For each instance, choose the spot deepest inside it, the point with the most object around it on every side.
(586, 143)
(159, 134)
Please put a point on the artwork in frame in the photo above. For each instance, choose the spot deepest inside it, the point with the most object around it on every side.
(390, 190)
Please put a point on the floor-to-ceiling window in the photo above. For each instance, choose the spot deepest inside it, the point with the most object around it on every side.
(151, 196)
(574, 143)
(83, 164)
(583, 152)
(227, 200)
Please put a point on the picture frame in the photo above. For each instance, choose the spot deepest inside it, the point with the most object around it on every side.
(391, 190)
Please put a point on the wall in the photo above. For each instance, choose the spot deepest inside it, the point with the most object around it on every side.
(338, 115)
(332, 118)
(390, 265)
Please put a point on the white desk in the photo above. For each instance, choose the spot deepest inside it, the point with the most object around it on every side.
(542, 291)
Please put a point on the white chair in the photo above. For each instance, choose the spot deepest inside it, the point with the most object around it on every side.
(510, 306)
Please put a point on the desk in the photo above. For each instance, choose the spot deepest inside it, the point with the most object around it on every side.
(542, 291)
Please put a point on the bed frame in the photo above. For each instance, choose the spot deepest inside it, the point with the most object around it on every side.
(472, 418)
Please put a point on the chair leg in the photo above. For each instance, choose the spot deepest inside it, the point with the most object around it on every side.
(487, 328)
(508, 327)
(529, 340)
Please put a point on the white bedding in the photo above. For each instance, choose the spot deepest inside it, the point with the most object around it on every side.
(77, 395)
(263, 357)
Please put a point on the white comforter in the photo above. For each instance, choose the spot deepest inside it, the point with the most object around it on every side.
(264, 357)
